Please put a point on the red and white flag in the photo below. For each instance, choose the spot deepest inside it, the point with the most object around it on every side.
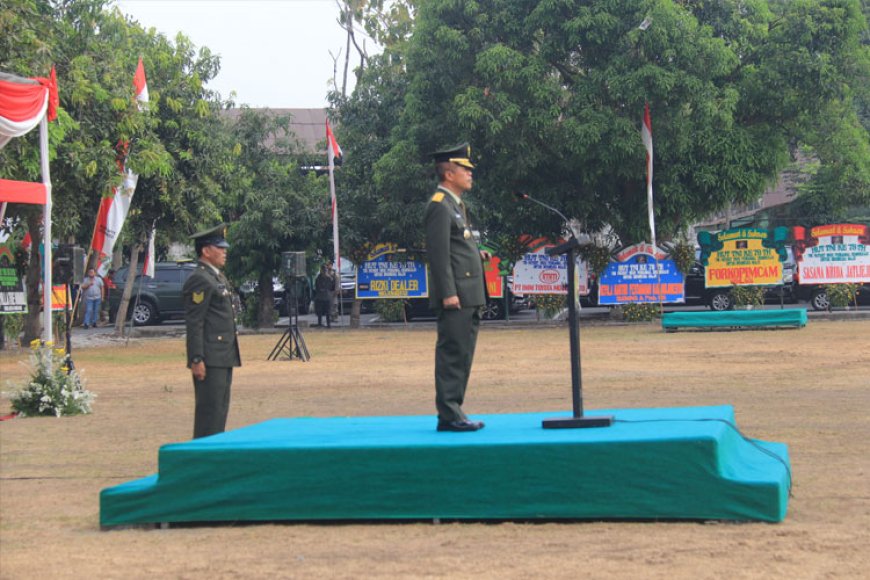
(113, 209)
(141, 86)
(148, 266)
(646, 135)
(333, 151)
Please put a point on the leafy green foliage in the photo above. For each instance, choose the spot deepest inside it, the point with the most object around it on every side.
(549, 305)
(641, 312)
(747, 295)
(551, 93)
(391, 310)
(596, 257)
(277, 208)
(179, 147)
(683, 255)
(841, 295)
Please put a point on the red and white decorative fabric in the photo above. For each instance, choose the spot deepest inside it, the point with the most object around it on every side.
(23, 104)
(114, 209)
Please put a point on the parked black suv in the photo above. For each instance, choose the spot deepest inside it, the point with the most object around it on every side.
(160, 297)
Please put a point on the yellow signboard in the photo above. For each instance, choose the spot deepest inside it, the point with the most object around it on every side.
(58, 297)
(743, 260)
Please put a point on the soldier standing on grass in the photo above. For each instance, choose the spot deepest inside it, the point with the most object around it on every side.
(212, 339)
(324, 294)
(458, 289)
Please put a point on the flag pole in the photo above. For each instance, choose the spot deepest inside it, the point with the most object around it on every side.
(46, 237)
(335, 244)
(646, 134)
(331, 146)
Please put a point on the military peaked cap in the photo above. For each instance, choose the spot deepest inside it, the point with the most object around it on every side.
(459, 154)
(211, 237)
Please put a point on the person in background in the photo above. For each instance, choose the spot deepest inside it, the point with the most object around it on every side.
(324, 294)
(109, 285)
(92, 287)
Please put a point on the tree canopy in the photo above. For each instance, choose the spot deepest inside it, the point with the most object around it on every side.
(551, 94)
(178, 147)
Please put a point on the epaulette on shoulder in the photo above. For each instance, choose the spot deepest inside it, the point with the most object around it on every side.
(439, 195)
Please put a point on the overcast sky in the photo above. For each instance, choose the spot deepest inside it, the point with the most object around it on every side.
(274, 53)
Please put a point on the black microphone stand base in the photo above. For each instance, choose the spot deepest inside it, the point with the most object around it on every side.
(577, 422)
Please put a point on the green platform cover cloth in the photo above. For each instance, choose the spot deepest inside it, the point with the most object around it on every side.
(677, 463)
(731, 318)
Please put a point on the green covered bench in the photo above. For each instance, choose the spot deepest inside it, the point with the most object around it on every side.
(792, 317)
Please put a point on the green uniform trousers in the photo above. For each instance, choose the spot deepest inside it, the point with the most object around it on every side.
(212, 401)
(454, 353)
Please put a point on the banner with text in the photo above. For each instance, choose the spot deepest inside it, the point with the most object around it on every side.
(13, 299)
(640, 275)
(538, 273)
(832, 254)
(390, 273)
(742, 257)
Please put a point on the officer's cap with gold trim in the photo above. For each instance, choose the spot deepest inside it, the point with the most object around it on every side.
(215, 236)
(459, 154)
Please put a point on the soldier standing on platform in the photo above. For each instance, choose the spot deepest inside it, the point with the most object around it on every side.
(457, 289)
(212, 339)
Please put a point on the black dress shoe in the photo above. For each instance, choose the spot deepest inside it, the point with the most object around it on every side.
(460, 426)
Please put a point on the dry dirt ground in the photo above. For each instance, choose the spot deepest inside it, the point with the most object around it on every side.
(809, 388)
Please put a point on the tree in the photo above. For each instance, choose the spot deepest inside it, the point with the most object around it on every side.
(184, 152)
(276, 209)
(551, 94)
(179, 148)
(363, 123)
(37, 32)
(387, 23)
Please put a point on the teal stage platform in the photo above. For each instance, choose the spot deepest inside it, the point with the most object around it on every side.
(662, 464)
(791, 317)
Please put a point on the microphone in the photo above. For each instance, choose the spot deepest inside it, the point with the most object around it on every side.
(525, 196)
(571, 226)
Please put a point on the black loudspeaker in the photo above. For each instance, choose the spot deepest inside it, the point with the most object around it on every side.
(293, 264)
(68, 265)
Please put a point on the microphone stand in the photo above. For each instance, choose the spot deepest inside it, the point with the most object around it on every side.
(577, 420)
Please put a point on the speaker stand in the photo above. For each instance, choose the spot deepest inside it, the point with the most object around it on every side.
(291, 344)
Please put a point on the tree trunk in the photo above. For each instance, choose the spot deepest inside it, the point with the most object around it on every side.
(349, 27)
(117, 257)
(33, 320)
(354, 313)
(121, 317)
(267, 300)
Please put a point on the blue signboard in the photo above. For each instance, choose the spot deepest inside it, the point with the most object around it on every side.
(633, 278)
(389, 273)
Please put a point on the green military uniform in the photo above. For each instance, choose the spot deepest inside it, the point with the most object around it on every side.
(212, 338)
(456, 270)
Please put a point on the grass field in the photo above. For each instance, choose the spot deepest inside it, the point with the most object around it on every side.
(809, 388)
